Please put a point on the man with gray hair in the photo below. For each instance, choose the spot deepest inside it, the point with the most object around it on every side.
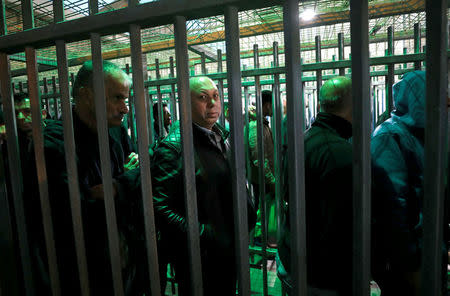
(328, 188)
(214, 195)
(123, 159)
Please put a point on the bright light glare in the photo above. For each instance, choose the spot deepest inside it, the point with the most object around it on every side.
(307, 15)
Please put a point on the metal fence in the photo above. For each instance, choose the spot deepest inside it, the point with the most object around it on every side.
(369, 109)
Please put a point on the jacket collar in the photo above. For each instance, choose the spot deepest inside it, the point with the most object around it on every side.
(334, 122)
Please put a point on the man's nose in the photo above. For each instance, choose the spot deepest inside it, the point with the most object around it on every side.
(124, 108)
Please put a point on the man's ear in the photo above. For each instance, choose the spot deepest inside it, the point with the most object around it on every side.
(44, 114)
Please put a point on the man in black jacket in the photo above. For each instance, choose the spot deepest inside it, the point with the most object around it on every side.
(328, 181)
(123, 159)
(214, 195)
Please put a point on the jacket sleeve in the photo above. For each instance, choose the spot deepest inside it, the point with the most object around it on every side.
(390, 200)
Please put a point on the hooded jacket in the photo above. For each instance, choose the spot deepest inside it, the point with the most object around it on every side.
(397, 150)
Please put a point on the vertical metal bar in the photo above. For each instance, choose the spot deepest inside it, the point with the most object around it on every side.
(247, 133)
(390, 76)
(220, 87)
(173, 98)
(161, 130)
(188, 150)
(3, 26)
(436, 137)
(131, 111)
(105, 158)
(93, 7)
(203, 61)
(38, 143)
(20, 87)
(237, 148)
(318, 72)
(295, 135)
(27, 14)
(341, 52)
(277, 119)
(58, 11)
(417, 44)
(44, 81)
(132, 3)
(359, 26)
(144, 158)
(150, 115)
(72, 170)
(55, 98)
(15, 170)
(72, 79)
(261, 163)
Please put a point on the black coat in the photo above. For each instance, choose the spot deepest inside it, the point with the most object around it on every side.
(328, 189)
(93, 211)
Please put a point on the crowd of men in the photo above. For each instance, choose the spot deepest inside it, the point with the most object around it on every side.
(397, 153)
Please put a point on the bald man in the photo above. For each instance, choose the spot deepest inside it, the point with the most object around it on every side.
(214, 195)
(328, 186)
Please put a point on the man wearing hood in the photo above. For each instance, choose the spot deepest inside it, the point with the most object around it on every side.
(397, 150)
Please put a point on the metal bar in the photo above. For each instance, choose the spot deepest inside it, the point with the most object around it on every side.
(173, 98)
(277, 119)
(318, 60)
(436, 137)
(105, 158)
(72, 170)
(390, 76)
(55, 99)
(38, 143)
(132, 3)
(237, 148)
(203, 62)
(131, 121)
(188, 150)
(417, 44)
(15, 170)
(93, 7)
(44, 81)
(341, 52)
(20, 87)
(150, 116)
(3, 25)
(58, 11)
(144, 158)
(246, 136)
(295, 154)
(161, 130)
(359, 27)
(27, 14)
(261, 164)
(220, 87)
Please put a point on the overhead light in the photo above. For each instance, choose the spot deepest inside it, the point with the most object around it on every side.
(307, 15)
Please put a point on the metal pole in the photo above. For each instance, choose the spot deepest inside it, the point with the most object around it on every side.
(38, 143)
(15, 170)
(105, 160)
(417, 44)
(390, 76)
(3, 25)
(144, 158)
(173, 98)
(261, 165)
(436, 137)
(220, 87)
(131, 116)
(341, 52)
(71, 165)
(295, 154)
(359, 26)
(277, 119)
(160, 107)
(237, 148)
(58, 11)
(55, 98)
(203, 63)
(188, 151)
(27, 14)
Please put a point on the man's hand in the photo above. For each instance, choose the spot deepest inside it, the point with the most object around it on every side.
(132, 162)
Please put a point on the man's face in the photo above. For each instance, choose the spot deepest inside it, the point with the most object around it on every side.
(23, 115)
(267, 109)
(205, 106)
(167, 117)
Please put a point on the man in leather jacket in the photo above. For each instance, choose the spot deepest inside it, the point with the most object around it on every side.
(214, 195)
